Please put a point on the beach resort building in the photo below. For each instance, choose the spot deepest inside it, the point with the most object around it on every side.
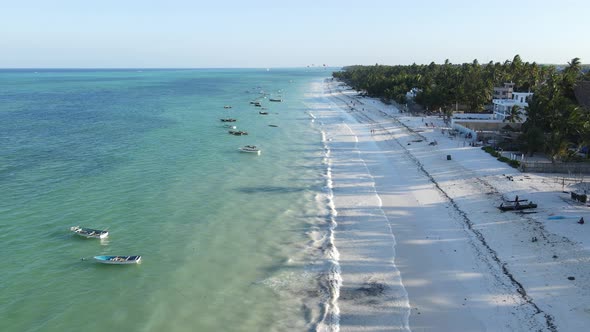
(410, 95)
(505, 99)
(504, 92)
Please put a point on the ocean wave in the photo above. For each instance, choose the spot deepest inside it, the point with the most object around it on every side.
(331, 280)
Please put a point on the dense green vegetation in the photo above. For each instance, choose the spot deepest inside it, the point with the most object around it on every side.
(555, 121)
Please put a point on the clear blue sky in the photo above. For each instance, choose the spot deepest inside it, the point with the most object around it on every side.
(295, 33)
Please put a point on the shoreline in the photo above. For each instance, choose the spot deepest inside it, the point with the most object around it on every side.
(464, 265)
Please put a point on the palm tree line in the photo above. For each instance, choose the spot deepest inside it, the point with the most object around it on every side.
(555, 122)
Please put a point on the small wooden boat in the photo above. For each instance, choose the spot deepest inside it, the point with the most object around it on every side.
(238, 132)
(520, 200)
(276, 100)
(89, 233)
(517, 207)
(227, 106)
(250, 149)
(118, 260)
(272, 125)
(263, 113)
(228, 120)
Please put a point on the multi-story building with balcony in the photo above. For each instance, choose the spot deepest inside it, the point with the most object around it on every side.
(503, 106)
(504, 92)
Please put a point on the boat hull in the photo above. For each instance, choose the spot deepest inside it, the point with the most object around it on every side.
(118, 260)
(517, 208)
(249, 151)
(89, 233)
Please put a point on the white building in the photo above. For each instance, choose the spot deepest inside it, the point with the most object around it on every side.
(410, 95)
(503, 107)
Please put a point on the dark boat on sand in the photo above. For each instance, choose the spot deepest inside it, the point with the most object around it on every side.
(517, 206)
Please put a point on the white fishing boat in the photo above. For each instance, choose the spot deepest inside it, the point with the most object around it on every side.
(250, 149)
(89, 232)
(118, 260)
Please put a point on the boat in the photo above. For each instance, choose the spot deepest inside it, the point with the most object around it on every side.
(228, 120)
(250, 149)
(229, 126)
(276, 100)
(272, 125)
(227, 106)
(89, 233)
(263, 113)
(517, 206)
(238, 132)
(118, 260)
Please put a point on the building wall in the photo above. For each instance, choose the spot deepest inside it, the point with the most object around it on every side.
(487, 125)
(502, 93)
(548, 167)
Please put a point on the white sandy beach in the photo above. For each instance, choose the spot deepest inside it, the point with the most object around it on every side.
(422, 245)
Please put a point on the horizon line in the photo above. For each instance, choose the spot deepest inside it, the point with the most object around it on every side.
(177, 68)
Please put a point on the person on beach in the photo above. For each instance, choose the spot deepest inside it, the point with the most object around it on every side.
(581, 222)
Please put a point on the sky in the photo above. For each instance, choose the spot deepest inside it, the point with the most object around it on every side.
(296, 33)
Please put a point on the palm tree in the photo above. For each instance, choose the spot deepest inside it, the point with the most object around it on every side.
(515, 114)
(533, 139)
(571, 74)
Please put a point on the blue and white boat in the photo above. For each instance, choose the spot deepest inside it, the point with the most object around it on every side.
(119, 260)
(89, 233)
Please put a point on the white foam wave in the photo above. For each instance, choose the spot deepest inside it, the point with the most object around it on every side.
(332, 281)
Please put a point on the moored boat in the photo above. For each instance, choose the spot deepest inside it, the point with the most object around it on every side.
(118, 260)
(276, 100)
(228, 120)
(238, 132)
(517, 206)
(89, 232)
(250, 149)
(263, 113)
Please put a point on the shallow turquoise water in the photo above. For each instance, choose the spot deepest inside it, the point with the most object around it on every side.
(225, 236)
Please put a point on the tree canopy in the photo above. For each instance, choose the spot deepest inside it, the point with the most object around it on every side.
(555, 121)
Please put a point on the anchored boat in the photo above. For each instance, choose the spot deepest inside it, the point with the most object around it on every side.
(250, 149)
(89, 233)
(118, 260)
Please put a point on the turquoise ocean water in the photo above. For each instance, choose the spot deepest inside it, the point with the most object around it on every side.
(230, 241)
